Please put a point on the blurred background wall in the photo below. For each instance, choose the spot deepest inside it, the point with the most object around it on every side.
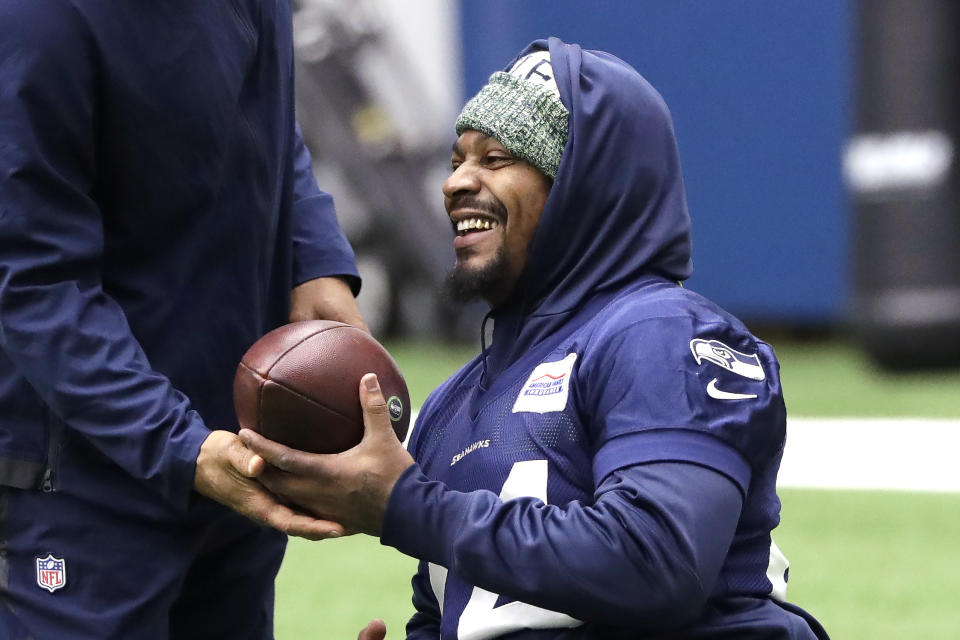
(764, 98)
(757, 92)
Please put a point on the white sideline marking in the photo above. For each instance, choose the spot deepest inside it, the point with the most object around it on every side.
(907, 454)
(413, 420)
(910, 454)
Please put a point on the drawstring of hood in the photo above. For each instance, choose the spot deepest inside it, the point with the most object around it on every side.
(483, 346)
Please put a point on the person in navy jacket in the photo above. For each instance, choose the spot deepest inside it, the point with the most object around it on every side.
(158, 214)
(606, 467)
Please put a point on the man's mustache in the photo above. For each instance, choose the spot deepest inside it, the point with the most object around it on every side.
(492, 207)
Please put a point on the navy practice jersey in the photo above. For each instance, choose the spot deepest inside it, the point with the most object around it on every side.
(657, 374)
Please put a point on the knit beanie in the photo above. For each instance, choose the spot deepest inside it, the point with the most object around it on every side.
(521, 108)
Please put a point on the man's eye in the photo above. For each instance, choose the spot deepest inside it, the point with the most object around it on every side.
(498, 158)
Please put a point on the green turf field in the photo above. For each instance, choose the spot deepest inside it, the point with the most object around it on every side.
(833, 379)
(877, 565)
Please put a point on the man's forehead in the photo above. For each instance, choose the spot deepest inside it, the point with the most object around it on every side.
(535, 67)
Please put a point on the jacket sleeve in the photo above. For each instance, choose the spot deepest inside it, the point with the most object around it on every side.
(425, 623)
(61, 331)
(645, 555)
(320, 247)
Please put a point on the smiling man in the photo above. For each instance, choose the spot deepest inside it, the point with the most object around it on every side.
(493, 230)
(607, 467)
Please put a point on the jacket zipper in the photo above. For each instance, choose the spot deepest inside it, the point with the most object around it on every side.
(47, 485)
(53, 452)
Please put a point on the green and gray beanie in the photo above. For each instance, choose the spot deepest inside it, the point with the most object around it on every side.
(521, 108)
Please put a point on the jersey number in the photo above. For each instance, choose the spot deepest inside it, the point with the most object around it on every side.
(480, 618)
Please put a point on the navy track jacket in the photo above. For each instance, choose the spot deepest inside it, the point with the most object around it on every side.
(156, 206)
(606, 468)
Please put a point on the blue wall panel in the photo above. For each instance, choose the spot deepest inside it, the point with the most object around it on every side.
(759, 94)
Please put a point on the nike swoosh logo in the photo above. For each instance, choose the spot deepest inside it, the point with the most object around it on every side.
(713, 392)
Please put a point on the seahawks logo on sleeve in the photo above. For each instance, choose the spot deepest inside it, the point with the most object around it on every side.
(746, 365)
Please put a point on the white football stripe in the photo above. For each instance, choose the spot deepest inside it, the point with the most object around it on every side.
(862, 453)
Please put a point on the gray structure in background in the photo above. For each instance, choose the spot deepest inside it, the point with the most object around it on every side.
(375, 128)
(903, 174)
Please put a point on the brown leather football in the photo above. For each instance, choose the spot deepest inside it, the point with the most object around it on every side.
(299, 385)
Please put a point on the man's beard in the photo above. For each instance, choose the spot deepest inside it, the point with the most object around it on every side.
(464, 285)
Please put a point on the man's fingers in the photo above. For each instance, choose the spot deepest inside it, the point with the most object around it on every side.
(288, 486)
(243, 460)
(376, 630)
(280, 456)
(285, 519)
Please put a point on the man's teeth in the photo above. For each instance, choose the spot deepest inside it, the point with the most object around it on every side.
(475, 224)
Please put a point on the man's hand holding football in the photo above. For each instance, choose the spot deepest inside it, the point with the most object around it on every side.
(225, 471)
(351, 488)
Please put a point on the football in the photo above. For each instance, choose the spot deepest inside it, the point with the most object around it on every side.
(299, 385)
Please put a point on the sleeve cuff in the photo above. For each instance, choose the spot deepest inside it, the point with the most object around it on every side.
(184, 450)
(671, 445)
(320, 248)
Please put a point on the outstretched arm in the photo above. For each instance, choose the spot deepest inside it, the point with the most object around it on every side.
(645, 554)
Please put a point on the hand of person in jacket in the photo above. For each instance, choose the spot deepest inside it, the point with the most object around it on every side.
(351, 488)
(376, 630)
(325, 299)
(225, 472)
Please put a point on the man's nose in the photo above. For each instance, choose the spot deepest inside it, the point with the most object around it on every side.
(464, 179)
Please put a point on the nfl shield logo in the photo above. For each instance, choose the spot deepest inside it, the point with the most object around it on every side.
(51, 573)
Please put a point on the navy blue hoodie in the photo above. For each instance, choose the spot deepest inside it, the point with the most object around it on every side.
(607, 467)
(156, 206)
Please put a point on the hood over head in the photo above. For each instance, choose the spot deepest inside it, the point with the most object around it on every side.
(616, 211)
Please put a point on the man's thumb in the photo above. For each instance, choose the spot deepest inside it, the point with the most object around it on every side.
(245, 461)
(376, 630)
(376, 418)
